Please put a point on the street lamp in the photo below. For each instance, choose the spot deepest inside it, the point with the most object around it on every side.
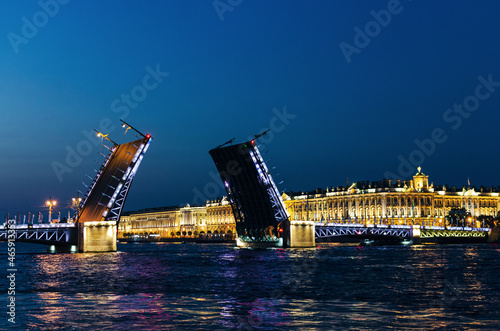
(127, 126)
(104, 136)
(75, 204)
(51, 203)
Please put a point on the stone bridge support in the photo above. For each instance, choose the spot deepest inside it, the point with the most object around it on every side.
(302, 234)
(97, 236)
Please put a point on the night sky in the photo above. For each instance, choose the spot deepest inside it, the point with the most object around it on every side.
(350, 89)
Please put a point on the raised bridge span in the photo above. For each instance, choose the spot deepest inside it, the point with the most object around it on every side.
(259, 212)
(95, 225)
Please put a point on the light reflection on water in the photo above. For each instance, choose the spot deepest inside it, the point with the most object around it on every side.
(165, 286)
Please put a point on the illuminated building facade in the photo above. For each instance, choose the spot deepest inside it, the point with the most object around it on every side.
(388, 201)
(220, 217)
(176, 221)
(391, 202)
(163, 221)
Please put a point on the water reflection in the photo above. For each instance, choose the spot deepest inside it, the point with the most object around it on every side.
(260, 313)
(221, 287)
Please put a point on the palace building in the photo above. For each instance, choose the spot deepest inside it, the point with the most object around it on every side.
(392, 202)
(166, 222)
(220, 217)
(388, 201)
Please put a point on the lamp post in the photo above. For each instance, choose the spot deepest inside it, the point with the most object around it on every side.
(104, 136)
(75, 204)
(127, 126)
(51, 203)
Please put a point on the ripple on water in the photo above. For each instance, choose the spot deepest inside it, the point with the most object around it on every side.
(168, 286)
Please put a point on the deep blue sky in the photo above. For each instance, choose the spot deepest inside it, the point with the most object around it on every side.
(226, 77)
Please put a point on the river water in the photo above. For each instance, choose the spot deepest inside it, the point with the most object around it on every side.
(165, 286)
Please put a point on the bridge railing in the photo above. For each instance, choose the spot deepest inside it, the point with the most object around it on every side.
(50, 234)
(39, 226)
(400, 226)
(358, 225)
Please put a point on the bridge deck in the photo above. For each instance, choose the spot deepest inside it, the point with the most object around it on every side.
(112, 175)
(50, 234)
(40, 226)
(256, 203)
(101, 207)
(328, 230)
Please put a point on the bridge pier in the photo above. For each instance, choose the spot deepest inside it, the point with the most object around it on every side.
(493, 235)
(97, 236)
(302, 234)
(415, 234)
